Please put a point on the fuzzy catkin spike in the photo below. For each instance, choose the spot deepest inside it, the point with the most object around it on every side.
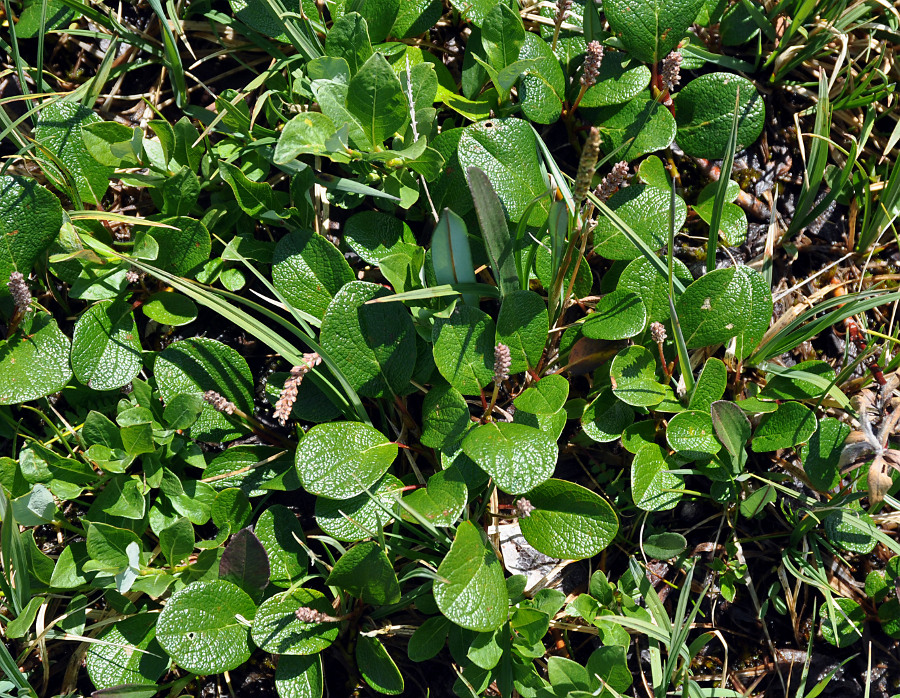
(502, 362)
(524, 508)
(586, 165)
(305, 614)
(220, 403)
(612, 182)
(658, 332)
(592, 61)
(670, 71)
(562, 7)
(20, 293)
(289, 392)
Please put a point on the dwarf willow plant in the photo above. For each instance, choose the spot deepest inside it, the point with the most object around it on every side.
(427, 356)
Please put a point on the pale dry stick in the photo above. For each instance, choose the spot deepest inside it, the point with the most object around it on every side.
(805, 281)
(415, 131)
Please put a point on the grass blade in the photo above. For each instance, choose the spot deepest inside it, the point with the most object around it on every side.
(721, 188)
(495, 230)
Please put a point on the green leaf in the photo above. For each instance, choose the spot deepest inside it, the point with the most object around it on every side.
(464, 348)
(445, 417)
(546, 396)
(641, 278)
(502, 35)
(518, 457)
(848, 620)
(374, 235)
(127, 654)
(641, 125)
(619, 80)
(278, 530)
(250, 468)
(106, 349)
(277, 630)
(416, 17)
(361, 516)
(790, 425)
(821, 456)
(35, 365)
(733, 224)
(112, 144)
(506, 151)
(451, 255)
(442, 501)
(58, 129)
(262, 16)
(470, 590)
(759, 312)
(365, 572)
(704, 111)
(309, 271)
(606, 417)
(542, 88)
(650, 30)
(646, 211)
(633, 375)
(499, 243)
(257, 199)
(200, 630)
(376, 342)
(692, 435)
(177, 541)
(379, 14)
(428, 639)
(30, 219)
(184, 248)
(308, 133)
(376, 666)
(852, 529)
(376, 99)
(523, 325)
(787, 386)
(731, 425)
(299, 676)
(349, 39)
(474, 11)
(169, 308)
(618, 315)
(665, 546)
(754, 505)
(198, 364)
(569, 522)
(341, 459)
(652, 484)
(652, 171)
(710, 385)
(714, 308)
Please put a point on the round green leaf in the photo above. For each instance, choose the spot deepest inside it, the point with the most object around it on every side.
(791, 424)
(184, 248)
(704, 111)
(710, 386)
(620, 80)
(428, 639)
(278, 530)
(30, 220)
(646, 211)
(691, 434)
(441, 501)
(342, 459)
(542, 88)
(846, 627)
(34, 366)
(199, 364)
(618, 315)
(375, 343)
(759, 312)
(642, 278)
(714, 308)
(641, 125)
(633, 376)
(821, 456)
(305, 134)
(788, 387)
(518, 457)
(546, 396)
(374, 235)
(106, 348)
(250, 468)
(377, 100)
(365, 572)
(129, 654)
(298, 676)
(653, 28)
(523, 324)
(260, 17)
(505, 149)
(199, 627)
(637, 435)
(665, 546)
(569, 522)
(309, 271)
(606, 417)
(653, 487)
(277, 630)
(377, 667)
(169, 308)
(445, 417)
(58, 129)
(361, 516)
(470, 590)
(851, 529)
(464, 348)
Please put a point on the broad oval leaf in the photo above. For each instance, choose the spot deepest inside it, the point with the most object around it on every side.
(376, 99)
(691, 434)
(652, 28)
(298, 676)
(184, 247)
(365, 571)
(305, 134)
(470, 590)
(542, 88)
(375, 343)
(635, 128)
(546, 396)
(360, 517)
(374, 235)
(128, 654)
(441, 501)
(704, 111)
(342, 459)
(169, 308)
(276, 629)
(36, 365)
(309, 271)
(633, 376)
(106, 348)
(790, 425)
(518, 457)
(464, 348)
(645, 210)
(714, 309)
(377, 667)
(278, 529)
(445, 417)
(606, 417)
(201, 630)
(642, 278)
(619, 80)
(653, 487)
(523, 325)
(569, 521)
(618, 315)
